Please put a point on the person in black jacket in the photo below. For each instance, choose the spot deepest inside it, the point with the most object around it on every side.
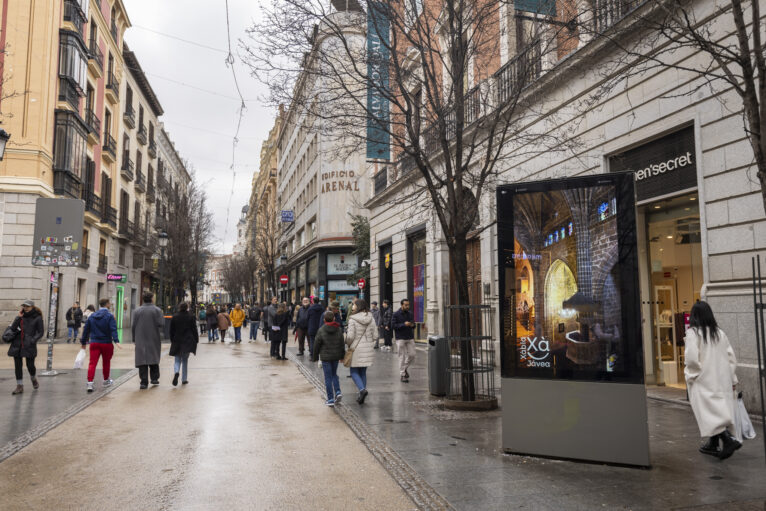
(278, 331)
(254, 315)
(386, 315)
(73, 322)
(330, 348)
(314, 322)
(29, 329)
(302, 326)
(183, 340)
(403, 325)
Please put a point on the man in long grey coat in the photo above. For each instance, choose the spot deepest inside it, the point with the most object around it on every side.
(146, 327)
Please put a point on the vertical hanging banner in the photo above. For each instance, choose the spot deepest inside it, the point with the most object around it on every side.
(378, 55)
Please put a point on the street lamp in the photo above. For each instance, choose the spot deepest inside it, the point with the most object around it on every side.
(4, 136)
(163, 242)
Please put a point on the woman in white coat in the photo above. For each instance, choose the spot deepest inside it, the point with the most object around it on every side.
(360, 337)
(711, 380)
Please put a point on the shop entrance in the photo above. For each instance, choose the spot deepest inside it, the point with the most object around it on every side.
(674, 253)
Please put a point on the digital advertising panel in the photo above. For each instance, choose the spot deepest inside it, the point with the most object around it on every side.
(569, 280)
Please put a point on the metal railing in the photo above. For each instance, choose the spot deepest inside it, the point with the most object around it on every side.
(608, 12)
(127, 167)
(92, 201)
(109, 216)
(69, 92)
(141, 135)
(381, 180)
(129, 116)
(74, 14)
(519, 72)
(150, 193)
(85, 258)
(152, 148)
(113, 85)
(103, 261)
(140, 181)
(138, 260)
(110, 145)
(94, 53)
(94, 123)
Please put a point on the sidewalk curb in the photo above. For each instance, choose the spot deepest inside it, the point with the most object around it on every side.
(684, 402)
(33, 434)
(422, 494)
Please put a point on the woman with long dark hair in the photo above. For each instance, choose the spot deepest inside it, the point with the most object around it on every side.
(711, 380)
(26, 330)
(183, 341)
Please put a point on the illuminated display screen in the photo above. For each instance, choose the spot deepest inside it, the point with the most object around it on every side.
(568, 275)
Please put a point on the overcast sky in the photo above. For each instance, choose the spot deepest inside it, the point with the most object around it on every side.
(200, 123)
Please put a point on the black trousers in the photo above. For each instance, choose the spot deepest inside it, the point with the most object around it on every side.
(284, 347)
(144, 370)
(17, 361)
(387, 337)
(301, 339)
(274, 348)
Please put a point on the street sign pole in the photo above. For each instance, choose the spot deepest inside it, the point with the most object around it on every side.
(49, 371)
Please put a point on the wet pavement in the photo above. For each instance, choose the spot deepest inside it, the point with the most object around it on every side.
(460, 455)
(246, 433)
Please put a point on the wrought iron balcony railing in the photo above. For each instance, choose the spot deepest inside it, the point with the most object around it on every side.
(93, 122)
(141, 135)
(103, 262)
(129, 116)
(110, 145)
(127, 167)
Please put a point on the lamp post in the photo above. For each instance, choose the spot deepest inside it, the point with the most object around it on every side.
(163, 242)
(4, 136)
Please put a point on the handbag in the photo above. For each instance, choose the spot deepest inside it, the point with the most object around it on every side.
(10, 334)
(347, 357)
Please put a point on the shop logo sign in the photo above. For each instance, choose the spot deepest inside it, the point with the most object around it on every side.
(656, 169)
(535, 351)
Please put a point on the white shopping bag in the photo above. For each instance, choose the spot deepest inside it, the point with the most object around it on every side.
(743, 427)
(79, 359)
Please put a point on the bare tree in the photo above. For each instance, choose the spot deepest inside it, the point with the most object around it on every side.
(234, 271)
(728, 49)
(266, 250)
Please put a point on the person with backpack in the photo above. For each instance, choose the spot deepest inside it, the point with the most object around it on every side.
(202, 320)
(100, 332)
(330, 349)
(73, 322)
(211, 317)
(255, 321)
(27, 328)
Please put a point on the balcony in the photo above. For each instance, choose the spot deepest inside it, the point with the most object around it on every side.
(103, 261)
(85, 258)
(152, 148)
(95, 59)
(109, 216)
(139, 238)
(65, 183)
(141, 135)
(127, 167)
(69, 92)
(608, 12)
(150, 193)
(74, 15)
(381, 180)
(112, 89)
(110, 148)
(162, 184)
(519, 72)
(127, 228)
(138, 260)
(94, 126)
(129, 117)
(140, 181)
(92, 202)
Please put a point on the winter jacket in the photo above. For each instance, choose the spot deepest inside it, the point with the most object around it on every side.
(212, 319)
(360, 337)
(100, 327)
(183, 334)
(281, 320)
(146, 326)
(237, 317)
(710, 375)
(224, 321)
(303, 318)
(31, 329)
(255, 313)
(397, 324)
(386, 316)
(314, 318)
(328, 343)
(376, 316)
(74, 317)
(270, 312)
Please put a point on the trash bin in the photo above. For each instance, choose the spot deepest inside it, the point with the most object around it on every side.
(438, 361)
(166, 329)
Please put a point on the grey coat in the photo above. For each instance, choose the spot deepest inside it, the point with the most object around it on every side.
(146, 327)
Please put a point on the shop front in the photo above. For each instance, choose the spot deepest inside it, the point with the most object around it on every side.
(324, 274)
(670, 246)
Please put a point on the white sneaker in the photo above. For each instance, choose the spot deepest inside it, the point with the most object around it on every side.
(108, 382)
(90, 386)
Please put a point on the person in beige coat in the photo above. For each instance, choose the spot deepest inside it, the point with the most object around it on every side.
(360, 338)
(711, 380)
(224, 322)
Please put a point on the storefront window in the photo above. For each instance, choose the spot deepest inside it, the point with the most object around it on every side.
(418, 258)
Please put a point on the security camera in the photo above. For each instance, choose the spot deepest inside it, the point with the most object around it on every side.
(365, 262)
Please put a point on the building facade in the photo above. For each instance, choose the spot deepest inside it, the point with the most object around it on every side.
(700, 217)
(214, 292)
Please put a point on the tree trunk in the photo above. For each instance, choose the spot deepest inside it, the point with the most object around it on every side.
(461, 322)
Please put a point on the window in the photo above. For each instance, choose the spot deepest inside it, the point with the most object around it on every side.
(110, 68)
(121, 260)
(137, 213)
(107, 122)
(312, 230)
(128, 99)
(140, 116)
(73, 64)
(139, 161)
(69, 143)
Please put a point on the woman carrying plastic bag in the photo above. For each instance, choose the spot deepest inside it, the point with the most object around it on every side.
(743, 428)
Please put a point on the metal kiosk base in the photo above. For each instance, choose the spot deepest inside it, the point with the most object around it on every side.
(602, 422)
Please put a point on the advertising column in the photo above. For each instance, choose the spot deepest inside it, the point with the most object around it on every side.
(571, 357)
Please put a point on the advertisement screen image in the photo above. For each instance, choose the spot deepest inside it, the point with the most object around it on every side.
(565, 279)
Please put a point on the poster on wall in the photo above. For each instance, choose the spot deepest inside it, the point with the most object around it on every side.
(341, 264)
(418, 292)
(569, 279)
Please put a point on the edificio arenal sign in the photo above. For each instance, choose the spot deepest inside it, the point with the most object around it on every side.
(58, 232)
(662, 166)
